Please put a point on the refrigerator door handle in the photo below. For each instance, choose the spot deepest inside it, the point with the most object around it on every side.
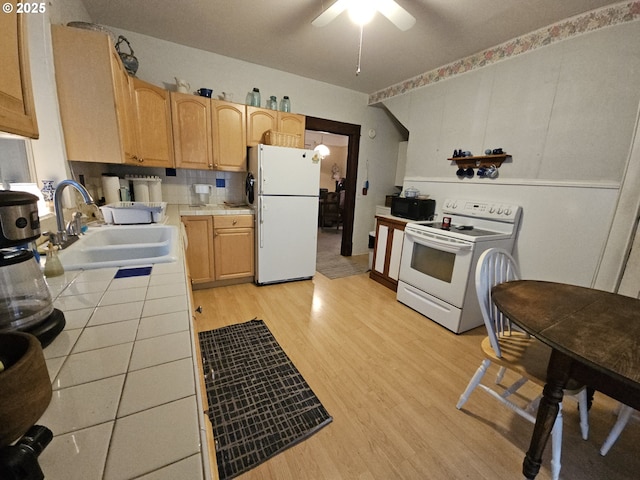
(261, 221)
(264, 180)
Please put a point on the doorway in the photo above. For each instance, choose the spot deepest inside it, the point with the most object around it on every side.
(333, 171)
(352, 132)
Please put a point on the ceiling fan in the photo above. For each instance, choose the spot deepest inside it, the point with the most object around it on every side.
(362, 11)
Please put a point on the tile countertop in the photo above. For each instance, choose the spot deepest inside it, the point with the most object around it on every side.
(215, 210)
(125, 399)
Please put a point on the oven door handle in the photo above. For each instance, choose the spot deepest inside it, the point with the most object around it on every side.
(439, 243)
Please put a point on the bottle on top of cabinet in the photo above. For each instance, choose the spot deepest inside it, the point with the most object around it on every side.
(272, 103)
(285, 104)
(256, 97)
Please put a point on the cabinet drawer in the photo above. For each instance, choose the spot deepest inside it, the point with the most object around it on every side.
(232, 221)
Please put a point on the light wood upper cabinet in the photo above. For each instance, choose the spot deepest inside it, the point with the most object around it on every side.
(260, 120)
(229, 133)
(94, 96)
(292, 123)
(108, 116)
(152, 112)
(192, 140)
(208, 134)
(124, 107)
(17, 110)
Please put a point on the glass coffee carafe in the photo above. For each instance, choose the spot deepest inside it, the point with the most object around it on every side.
(25, 300)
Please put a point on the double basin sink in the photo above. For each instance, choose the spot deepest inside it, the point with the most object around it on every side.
(122, 245)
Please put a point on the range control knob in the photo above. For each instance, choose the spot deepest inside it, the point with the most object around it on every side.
(500, 210)
(508, 211)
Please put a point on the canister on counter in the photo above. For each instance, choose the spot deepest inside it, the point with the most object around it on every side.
(111, 188)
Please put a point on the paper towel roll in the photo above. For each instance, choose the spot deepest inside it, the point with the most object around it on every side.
(155, 189)
(140, 190)
(110, 188)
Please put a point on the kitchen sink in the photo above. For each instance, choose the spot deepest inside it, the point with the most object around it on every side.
(122, 245)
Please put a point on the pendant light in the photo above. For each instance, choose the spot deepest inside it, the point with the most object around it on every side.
(322, 149)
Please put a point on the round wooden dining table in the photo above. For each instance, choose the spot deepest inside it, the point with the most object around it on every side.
(595, 340)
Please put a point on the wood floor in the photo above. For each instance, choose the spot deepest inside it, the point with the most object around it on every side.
(391, 378)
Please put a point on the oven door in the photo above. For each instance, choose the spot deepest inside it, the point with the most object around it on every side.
(436, 264)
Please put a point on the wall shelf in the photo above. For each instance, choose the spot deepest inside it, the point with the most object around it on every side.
(480, 160)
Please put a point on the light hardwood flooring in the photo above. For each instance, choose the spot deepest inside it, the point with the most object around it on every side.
(391, 378)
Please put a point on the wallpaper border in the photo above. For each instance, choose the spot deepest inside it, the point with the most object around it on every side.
(588, 22)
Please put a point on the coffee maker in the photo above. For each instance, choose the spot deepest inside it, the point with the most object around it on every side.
(25, 302)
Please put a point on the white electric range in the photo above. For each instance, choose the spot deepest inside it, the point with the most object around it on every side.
(437, 268)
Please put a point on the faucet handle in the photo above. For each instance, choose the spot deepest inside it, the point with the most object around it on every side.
(56, 238)
(74, 226)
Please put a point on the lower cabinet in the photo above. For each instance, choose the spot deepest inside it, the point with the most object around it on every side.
(220, 249)
(387, 251)
(199, 251)
(233, 246)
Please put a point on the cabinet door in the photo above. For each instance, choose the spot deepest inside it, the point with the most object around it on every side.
(86, 68)
(259, 120)
(387, 252)
(199, 254)
(229, 136)
(395, 254)
(380, 252)
(124, 108)
(233, 249)
(17, 110)
(153, 125)
(192, 139)
(292, 123)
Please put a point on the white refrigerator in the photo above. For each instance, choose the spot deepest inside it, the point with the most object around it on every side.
(286, 186)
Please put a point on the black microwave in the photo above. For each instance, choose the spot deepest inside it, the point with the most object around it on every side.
(413, 208)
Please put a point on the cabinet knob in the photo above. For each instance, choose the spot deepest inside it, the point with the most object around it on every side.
(140, 160)
(211, 165)
(199, 309)
(235, 221)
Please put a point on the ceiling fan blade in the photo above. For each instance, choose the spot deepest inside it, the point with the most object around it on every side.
(396, 14)
(330, 13)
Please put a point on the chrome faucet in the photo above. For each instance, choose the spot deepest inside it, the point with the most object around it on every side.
(61, 236)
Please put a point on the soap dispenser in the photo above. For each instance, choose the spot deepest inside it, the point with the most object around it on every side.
(53, 267)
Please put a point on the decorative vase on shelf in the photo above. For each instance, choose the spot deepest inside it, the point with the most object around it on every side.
(48, 190)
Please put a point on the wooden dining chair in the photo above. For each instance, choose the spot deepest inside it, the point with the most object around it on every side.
(514, 350)
(624, 415)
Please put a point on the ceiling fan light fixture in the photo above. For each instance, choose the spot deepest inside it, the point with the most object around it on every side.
(361, 12)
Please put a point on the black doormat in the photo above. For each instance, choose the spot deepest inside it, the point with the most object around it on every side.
(259, 404)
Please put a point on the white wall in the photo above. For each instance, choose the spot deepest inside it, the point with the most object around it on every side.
(567, 114)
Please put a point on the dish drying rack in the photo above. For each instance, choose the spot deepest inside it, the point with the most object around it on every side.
(129, 213)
